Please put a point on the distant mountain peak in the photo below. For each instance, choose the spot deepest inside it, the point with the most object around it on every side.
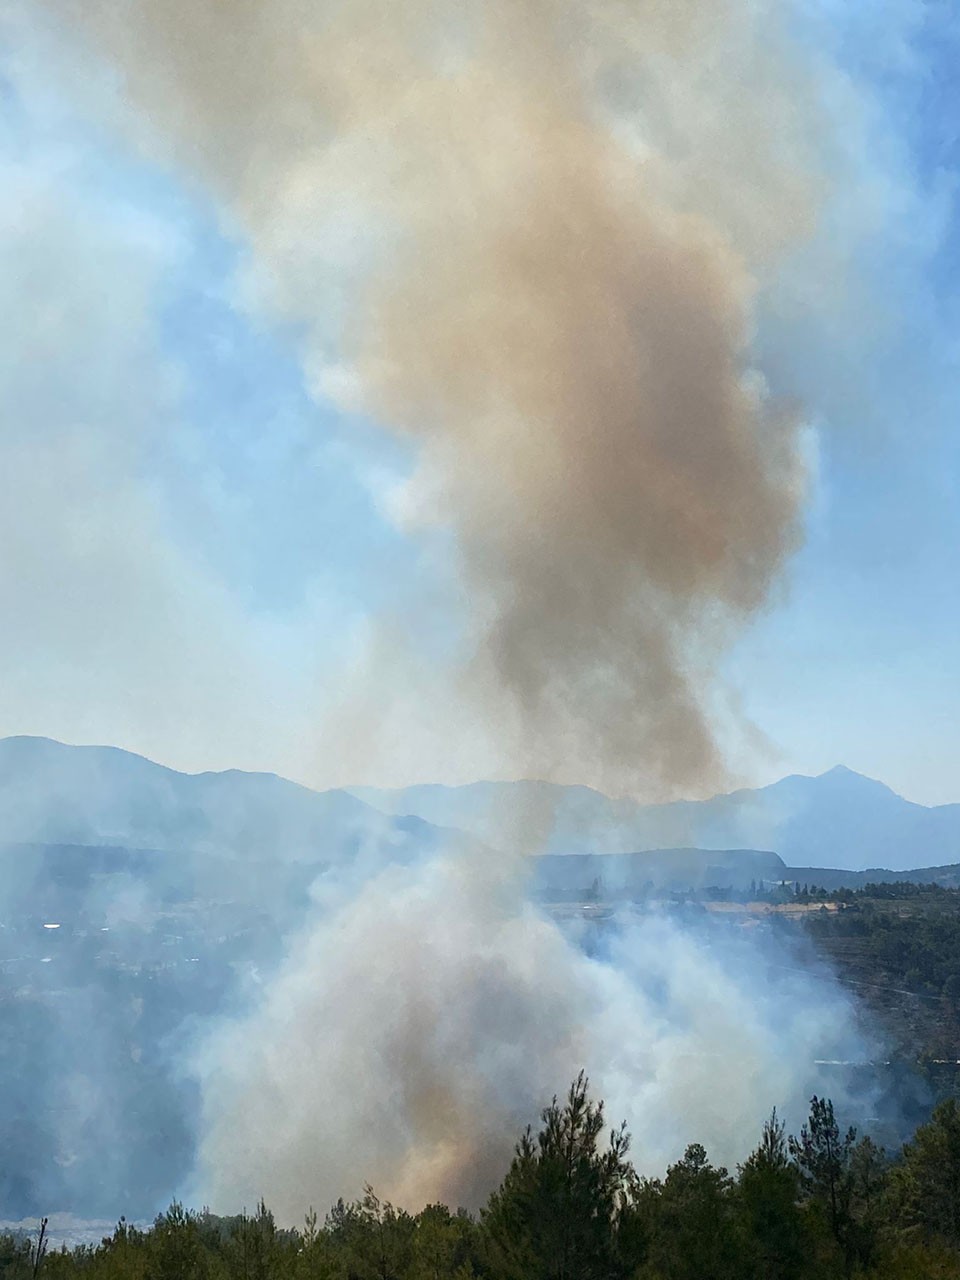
(841, 775)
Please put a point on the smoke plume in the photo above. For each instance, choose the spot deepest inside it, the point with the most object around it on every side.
(528, 237)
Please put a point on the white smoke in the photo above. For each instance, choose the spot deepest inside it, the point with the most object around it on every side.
(422, 1022)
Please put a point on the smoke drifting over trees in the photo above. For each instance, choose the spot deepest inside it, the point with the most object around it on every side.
(419, 1018)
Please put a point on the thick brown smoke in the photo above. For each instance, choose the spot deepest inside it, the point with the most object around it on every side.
(529, 236)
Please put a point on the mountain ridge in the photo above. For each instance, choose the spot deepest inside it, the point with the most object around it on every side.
(55, 793)
(52, 792)
(838, 819)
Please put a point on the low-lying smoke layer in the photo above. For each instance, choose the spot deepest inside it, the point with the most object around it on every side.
(419, 1026)
(528, 236)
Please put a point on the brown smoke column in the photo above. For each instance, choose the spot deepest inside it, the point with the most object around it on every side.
(529, 236)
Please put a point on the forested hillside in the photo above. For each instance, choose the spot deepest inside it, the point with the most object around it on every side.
(898, 947)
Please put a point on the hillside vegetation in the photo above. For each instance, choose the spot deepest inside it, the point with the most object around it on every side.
(898, 947)
(822, 1204)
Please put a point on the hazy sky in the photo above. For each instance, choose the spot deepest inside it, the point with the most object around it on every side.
(199, 547)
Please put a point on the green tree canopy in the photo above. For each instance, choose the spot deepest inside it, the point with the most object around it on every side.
(555, 1215)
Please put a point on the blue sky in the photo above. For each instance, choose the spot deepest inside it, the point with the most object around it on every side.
(198, 543)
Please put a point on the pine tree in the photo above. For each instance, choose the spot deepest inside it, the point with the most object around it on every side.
(556, 1214)
(926, 1186)
(771, 1221)
(822, 1157)
(691, 1221)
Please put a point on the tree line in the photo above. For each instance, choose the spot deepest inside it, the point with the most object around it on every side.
(811, 1206)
